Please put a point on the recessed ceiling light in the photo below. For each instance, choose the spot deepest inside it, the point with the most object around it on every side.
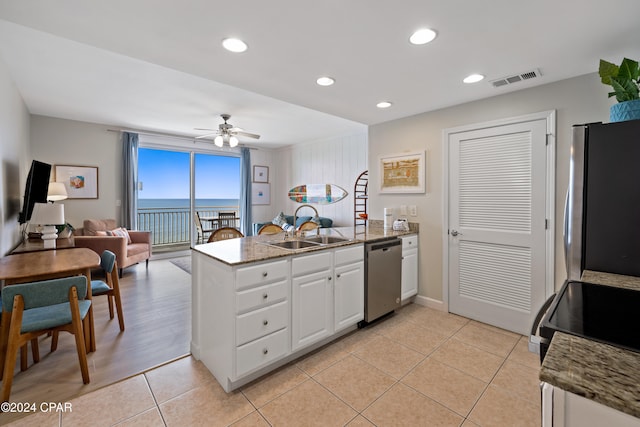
(234, 45)
(422, 36)
(473, 78)
(325, 81)
(383, 104)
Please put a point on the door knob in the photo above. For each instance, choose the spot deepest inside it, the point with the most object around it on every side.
(455, 233)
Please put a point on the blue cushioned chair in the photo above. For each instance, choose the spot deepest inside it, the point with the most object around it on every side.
(23, 350)
(32, 309)
(110, 288)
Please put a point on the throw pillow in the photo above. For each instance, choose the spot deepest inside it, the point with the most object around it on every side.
(103, 233)
(123, 233)
(279, 219)
(315, 219)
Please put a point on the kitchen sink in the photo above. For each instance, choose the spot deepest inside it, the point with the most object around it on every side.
(293, 244)
(326, 240)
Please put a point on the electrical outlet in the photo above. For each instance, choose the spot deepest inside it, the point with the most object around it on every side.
(413, 210)
(403, 210)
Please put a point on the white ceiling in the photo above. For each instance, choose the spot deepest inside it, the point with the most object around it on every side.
(158, 65)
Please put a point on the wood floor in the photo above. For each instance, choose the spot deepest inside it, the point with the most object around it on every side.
(157, 313)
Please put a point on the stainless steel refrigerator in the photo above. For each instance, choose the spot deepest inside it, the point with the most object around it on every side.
(602, 212)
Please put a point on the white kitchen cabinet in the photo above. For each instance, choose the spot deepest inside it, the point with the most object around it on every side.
(561, 408)
(312, 299)
(348, 287)
(409, 266)
(250, 318)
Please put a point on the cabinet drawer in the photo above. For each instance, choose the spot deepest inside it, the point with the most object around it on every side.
(256, 275)
(310, 263)
(258, 323)
(262, 296)
(410, 242)
(349, 254)
(261, 352)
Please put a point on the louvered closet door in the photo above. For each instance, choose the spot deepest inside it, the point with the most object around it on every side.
(497, 224)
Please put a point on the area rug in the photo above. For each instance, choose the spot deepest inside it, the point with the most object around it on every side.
(183, 263)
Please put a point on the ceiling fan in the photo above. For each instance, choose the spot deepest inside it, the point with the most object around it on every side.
(226, 133)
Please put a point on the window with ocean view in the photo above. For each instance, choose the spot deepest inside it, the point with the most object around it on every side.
(164, 194)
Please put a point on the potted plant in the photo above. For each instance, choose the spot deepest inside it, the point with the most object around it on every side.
(624, 79)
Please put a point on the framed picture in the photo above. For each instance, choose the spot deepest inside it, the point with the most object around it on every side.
(260, 173)
(260, 194)
(402, 173)
(81, 182)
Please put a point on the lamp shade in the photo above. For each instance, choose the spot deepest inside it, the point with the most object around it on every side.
(57, 191)
(48, 214)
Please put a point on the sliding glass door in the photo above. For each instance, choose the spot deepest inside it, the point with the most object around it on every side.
(184, 195)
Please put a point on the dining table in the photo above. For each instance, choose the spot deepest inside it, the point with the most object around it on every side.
(43, 265)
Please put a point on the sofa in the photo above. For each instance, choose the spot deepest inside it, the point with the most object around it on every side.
(324, 222)
(130, 246)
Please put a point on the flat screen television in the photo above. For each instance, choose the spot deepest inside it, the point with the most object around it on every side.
(36, 189)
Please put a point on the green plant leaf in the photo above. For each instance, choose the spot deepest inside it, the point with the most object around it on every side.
(629, 69)
(607, 70)
(625, 89)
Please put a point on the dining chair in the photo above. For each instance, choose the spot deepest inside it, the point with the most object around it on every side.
(225, 233)
(226, 219)
(32, 309)
(200, 228)
(270, 229)
(308, 225)
(110, 286)
(35, 351)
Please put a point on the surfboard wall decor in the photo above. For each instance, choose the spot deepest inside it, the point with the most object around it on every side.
(322, 194)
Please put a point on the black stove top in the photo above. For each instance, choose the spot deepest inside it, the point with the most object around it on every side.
(602, 313)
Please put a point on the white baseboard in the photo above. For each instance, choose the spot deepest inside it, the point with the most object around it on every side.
(430, 302)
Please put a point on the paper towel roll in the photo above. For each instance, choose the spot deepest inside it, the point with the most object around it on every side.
(388, 218)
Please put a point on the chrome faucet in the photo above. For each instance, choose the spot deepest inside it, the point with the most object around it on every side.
(295, 216)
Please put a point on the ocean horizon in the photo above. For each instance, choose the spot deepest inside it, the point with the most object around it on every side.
(184, 203)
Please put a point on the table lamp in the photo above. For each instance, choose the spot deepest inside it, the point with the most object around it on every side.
(46, 216)
(57, 191)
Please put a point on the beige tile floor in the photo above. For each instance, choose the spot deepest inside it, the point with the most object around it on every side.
(420, 367)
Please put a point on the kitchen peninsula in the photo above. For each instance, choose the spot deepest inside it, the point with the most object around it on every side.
(257, 306)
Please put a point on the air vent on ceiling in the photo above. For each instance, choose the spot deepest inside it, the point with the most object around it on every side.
(527, 75)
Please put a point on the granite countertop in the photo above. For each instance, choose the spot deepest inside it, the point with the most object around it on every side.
(610, 279)
(605, 374)
(250, 249)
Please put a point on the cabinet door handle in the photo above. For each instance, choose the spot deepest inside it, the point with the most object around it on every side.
(265, 274)
(265, 350)
(265, 296)
(265, 322)
(337, 275)
(329, 278)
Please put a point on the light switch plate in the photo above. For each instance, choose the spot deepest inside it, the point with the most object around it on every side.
(403, 210)
(413, 210)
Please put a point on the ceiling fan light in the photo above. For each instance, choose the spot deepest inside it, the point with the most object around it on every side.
(233, 141)
(218, 141)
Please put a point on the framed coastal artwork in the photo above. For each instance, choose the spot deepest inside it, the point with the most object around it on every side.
(260, 194)
(402, 173)
(260, 173)
(81, 182)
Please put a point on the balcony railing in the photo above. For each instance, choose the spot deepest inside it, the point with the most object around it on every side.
(172, 226)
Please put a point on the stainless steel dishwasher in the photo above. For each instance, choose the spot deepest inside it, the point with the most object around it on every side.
(383, 276)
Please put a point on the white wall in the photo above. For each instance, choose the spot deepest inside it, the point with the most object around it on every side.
(578, 100)
(336, 161)
(15, 159)
(68, 142)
